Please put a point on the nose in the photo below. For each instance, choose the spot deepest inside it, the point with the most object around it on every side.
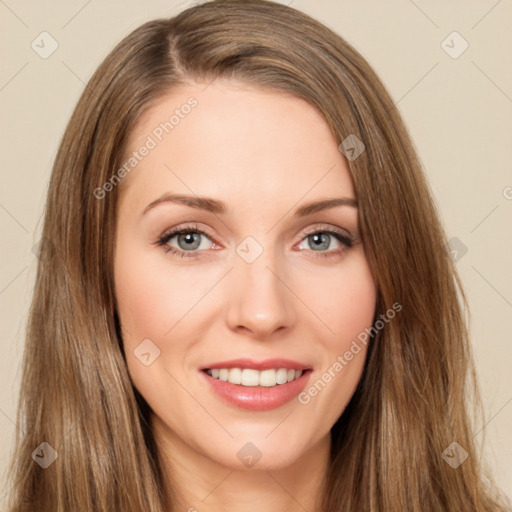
(259, 302)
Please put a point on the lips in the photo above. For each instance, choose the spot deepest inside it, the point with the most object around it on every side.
(256, 385)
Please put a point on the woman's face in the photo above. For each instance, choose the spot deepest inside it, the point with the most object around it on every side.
(265, 281)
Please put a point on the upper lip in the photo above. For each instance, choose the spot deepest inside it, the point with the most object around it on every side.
(266, 364)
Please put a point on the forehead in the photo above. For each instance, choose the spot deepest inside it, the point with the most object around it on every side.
(230, 140)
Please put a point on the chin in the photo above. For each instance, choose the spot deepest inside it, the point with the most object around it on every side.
(265, 451)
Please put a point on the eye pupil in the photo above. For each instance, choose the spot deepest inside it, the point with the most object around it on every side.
(320, 240)
(192, 241)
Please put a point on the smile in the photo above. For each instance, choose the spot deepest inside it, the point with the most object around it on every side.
(256, 386)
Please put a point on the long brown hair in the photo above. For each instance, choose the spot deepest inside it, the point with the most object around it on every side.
(76, 393)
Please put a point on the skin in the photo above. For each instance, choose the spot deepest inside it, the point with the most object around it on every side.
(264, 154)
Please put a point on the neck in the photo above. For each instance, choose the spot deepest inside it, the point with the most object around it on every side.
(196, 483)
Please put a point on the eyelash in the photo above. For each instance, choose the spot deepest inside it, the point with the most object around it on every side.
(163, 241)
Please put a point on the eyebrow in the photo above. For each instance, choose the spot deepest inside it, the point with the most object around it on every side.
(218, 207)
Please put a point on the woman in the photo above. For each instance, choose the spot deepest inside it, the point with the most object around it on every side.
(243, 276)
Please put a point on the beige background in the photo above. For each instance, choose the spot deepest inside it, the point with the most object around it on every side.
(458, 111)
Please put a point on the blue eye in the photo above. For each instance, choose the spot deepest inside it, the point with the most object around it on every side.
(188, 241)
(321, 242)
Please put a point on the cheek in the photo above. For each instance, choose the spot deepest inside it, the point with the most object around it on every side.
(346, 305)
(151, 296)
(343, 299)
(150, 302)
(160, 302)
(353, 308)
(142, 298)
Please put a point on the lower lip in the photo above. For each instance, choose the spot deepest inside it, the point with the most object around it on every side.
(257, 398)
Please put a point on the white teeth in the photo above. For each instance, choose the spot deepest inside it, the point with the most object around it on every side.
(268, 378)
(235, 376)
(282, 376)
(250, 377)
